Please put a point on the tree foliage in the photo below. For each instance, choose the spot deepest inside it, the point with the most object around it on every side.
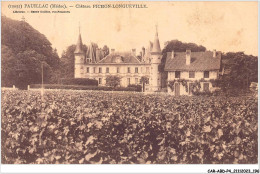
(239, 71)
(179, 46)
(105, 50)
(113, 81)
(73, 127)
(67, 65)
(144, 80)
(24, 49)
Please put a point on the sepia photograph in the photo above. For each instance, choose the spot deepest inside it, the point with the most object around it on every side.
(138, 82)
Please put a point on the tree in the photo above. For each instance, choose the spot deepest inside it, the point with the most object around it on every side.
(20, 36)
(179, 46)
(23, 51)
(240, 70)
(113, 81)
(66, 68)
(144, 80)
(105, 50)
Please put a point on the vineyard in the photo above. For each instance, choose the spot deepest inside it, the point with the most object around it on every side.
(74, 127)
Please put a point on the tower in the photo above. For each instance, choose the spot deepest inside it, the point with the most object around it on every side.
(90, 57)
(79, 58)
(156, 56)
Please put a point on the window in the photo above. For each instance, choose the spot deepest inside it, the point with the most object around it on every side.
(107, 70)
(148, 81)
(136, 81)
(206, 87)
(128, 70)
(206, 74)
(81, 70)
(147, 70)
(136, 69)
(177, 74)
(128, 81)
(99, 80)
(87, 69)
(191, 74)
(100, 70)
(117, 70)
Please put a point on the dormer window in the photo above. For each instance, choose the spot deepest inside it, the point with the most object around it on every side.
(191, 74)
(206, 74)
(177, 74)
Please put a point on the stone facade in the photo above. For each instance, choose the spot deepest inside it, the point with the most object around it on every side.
(122, 64)
(189, 66)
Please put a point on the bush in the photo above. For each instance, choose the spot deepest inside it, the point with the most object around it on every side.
(81, 87)
(79, 81)
(137, 87)
(113, 81)
(202, 93)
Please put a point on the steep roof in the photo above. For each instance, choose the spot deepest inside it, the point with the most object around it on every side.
(120, 57)
(90, 53)
(79, 46)
(200, 61)
(156, 44)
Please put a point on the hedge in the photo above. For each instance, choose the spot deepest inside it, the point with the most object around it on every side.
(137, 87)
(79, 87)
(79, 81)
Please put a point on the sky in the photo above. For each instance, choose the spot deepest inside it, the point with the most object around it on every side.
(224, 26)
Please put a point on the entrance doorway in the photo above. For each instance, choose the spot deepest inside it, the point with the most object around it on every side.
(177, 89)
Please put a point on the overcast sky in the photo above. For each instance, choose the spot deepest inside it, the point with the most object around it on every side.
(225, 26)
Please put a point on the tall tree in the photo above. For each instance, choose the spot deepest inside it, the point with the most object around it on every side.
(24, 49)
(239, 70)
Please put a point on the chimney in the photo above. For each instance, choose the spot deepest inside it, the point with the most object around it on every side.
(143, 51)
(134, 52)
(112, 51)
(188, 55)
(172, 54)
(214, 53)
(98, 54)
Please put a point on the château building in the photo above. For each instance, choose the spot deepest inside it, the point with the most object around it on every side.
(200, 67)
(123, 64)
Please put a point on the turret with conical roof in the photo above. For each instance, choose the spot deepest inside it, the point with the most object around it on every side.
(156, 43)
(156, 56)
(79, 46)
(79, 58)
